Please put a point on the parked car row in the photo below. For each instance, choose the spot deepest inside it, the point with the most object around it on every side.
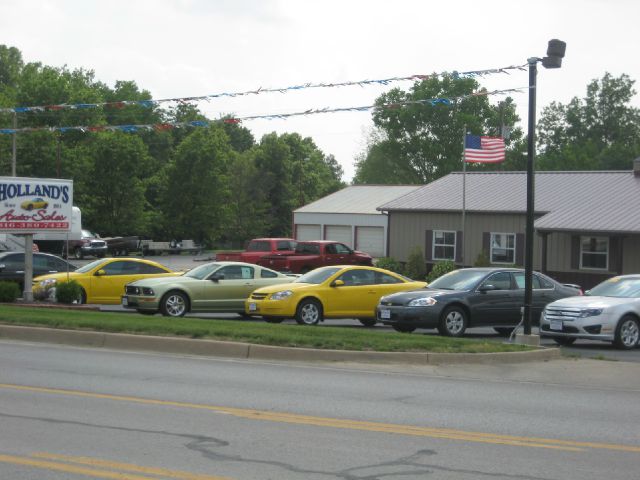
(462, 299)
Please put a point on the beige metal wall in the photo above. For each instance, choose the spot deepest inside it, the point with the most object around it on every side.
(408, 229)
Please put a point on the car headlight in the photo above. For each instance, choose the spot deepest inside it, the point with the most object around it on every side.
(281, 295)
(148, 291)
(590, 312)
(422, 302)
(49, 282)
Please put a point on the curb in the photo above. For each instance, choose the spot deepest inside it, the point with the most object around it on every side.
(214, 348)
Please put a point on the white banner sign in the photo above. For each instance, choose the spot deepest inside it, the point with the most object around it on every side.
(30, 205)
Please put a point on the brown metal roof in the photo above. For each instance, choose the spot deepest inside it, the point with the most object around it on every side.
(607, 201)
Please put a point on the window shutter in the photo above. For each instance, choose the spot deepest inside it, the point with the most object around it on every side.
(459, 241)
(575, 252)
(428, 248)
(520, 249)
(486, 247)
(615, 255)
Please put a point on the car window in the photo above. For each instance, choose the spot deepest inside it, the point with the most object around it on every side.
(308, 249)
(149, 269)
(358, 277)
(342, 249)
(385, 278)
(285, 245)
(268, 273)
(330, 249)
(236, 272)
(13, 261)
(121, 268)
(520, 280)
(259, 246)
(500, 280)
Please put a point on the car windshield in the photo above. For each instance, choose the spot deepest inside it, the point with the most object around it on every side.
(317, 276)
(203, 271)
(459, 280)
(618, 287)
(90, 266)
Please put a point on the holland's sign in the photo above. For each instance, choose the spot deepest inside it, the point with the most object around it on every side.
(30, 205)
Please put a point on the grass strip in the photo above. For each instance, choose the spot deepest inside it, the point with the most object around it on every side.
(250, 331)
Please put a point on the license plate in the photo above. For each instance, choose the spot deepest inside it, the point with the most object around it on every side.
(125, 301)
(253, 307)
(385, 313)
(555, 325)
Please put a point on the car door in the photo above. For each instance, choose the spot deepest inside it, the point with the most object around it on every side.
(226, 289)
(495, 306)
(109, 286)
(358, 296)
(542, 293)
(12, 267)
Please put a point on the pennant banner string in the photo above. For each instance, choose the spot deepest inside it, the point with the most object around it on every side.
(276, 116)
(362, 83)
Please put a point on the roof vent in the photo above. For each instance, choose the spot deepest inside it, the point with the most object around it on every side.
(636, 167)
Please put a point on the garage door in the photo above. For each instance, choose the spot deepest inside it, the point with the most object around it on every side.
(339, 233)
(371, 241)
(308, 232)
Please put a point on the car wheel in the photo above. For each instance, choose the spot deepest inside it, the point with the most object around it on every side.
(29, 207)
(564, 341)
(403, 328)
(273, 319)
(627, 333)
(82, 300)
(78, 253)
(453, 322)
(367, 322)
(309, 312)
(504, 331)
(174, 304)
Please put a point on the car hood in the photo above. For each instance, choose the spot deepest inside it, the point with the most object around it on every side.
(587, 301)
(60, 277)
(402, 297)
(170, 278)
(287, 286)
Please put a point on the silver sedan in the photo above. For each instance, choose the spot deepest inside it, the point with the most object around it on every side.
(609, 312)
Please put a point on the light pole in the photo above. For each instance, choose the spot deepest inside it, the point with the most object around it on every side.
(555, 53)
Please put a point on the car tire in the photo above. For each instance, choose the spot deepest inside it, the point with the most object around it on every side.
(174, 304)
(309, 312)
(273, 319)
(453, 322)
(82, 300)
(504, 331)
(403, 328)
(564, 341)
(627, 333)
(78, 253)
(245, 316)
(368, 322)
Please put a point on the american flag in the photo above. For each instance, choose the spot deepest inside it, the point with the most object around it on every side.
(483, 149)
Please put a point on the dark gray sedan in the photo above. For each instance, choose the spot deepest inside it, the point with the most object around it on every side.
(470, 297)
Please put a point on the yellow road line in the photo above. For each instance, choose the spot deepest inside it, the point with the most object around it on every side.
(443, 433)
(129, 467)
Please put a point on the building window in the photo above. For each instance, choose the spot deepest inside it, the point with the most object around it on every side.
(444, 245)
(594, 253)
(503, 248)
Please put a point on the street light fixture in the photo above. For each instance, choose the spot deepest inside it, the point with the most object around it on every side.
(555, 54)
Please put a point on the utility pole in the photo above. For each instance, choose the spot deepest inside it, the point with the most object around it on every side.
(13, 149)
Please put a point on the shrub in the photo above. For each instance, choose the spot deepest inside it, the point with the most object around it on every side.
(68, 292)
(9, 291)
(482, 260)
(440, 268)
(415, 267)
(44, 293)
(391, 264)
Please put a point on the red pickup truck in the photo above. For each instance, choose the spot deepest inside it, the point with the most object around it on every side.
(314, 254)
(257, 248)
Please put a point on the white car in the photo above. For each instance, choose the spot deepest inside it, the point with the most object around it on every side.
(609, 312)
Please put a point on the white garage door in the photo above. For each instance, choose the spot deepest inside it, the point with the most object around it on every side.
(339, 233)
(371, 240)
(308, 232)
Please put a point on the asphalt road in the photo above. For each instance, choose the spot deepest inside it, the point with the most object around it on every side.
(70, 413)
(582, 348)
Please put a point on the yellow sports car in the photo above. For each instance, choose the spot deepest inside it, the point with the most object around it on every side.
(337, 291)
(35, 203)
(103, 281)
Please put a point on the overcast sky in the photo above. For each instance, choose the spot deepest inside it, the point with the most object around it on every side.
(186, 48)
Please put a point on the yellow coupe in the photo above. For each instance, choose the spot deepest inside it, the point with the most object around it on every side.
(329, 292)
(33, 204)
(103, 281)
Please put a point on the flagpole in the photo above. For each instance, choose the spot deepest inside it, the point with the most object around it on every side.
(464, 194)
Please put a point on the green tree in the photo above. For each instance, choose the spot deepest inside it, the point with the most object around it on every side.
(198, 192)
(420, 142)
(598, 132)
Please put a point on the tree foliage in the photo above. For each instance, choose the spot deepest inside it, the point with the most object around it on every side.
(417, 142)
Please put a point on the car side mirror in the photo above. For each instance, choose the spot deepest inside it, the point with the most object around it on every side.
(337, 283)
(100, 273)
(216, 277)
(487, 288)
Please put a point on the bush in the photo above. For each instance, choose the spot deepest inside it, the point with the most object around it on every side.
(415, 267)
(68, 292)
(9, 291)
(482, 260)
(391, 264)
(440, 268)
